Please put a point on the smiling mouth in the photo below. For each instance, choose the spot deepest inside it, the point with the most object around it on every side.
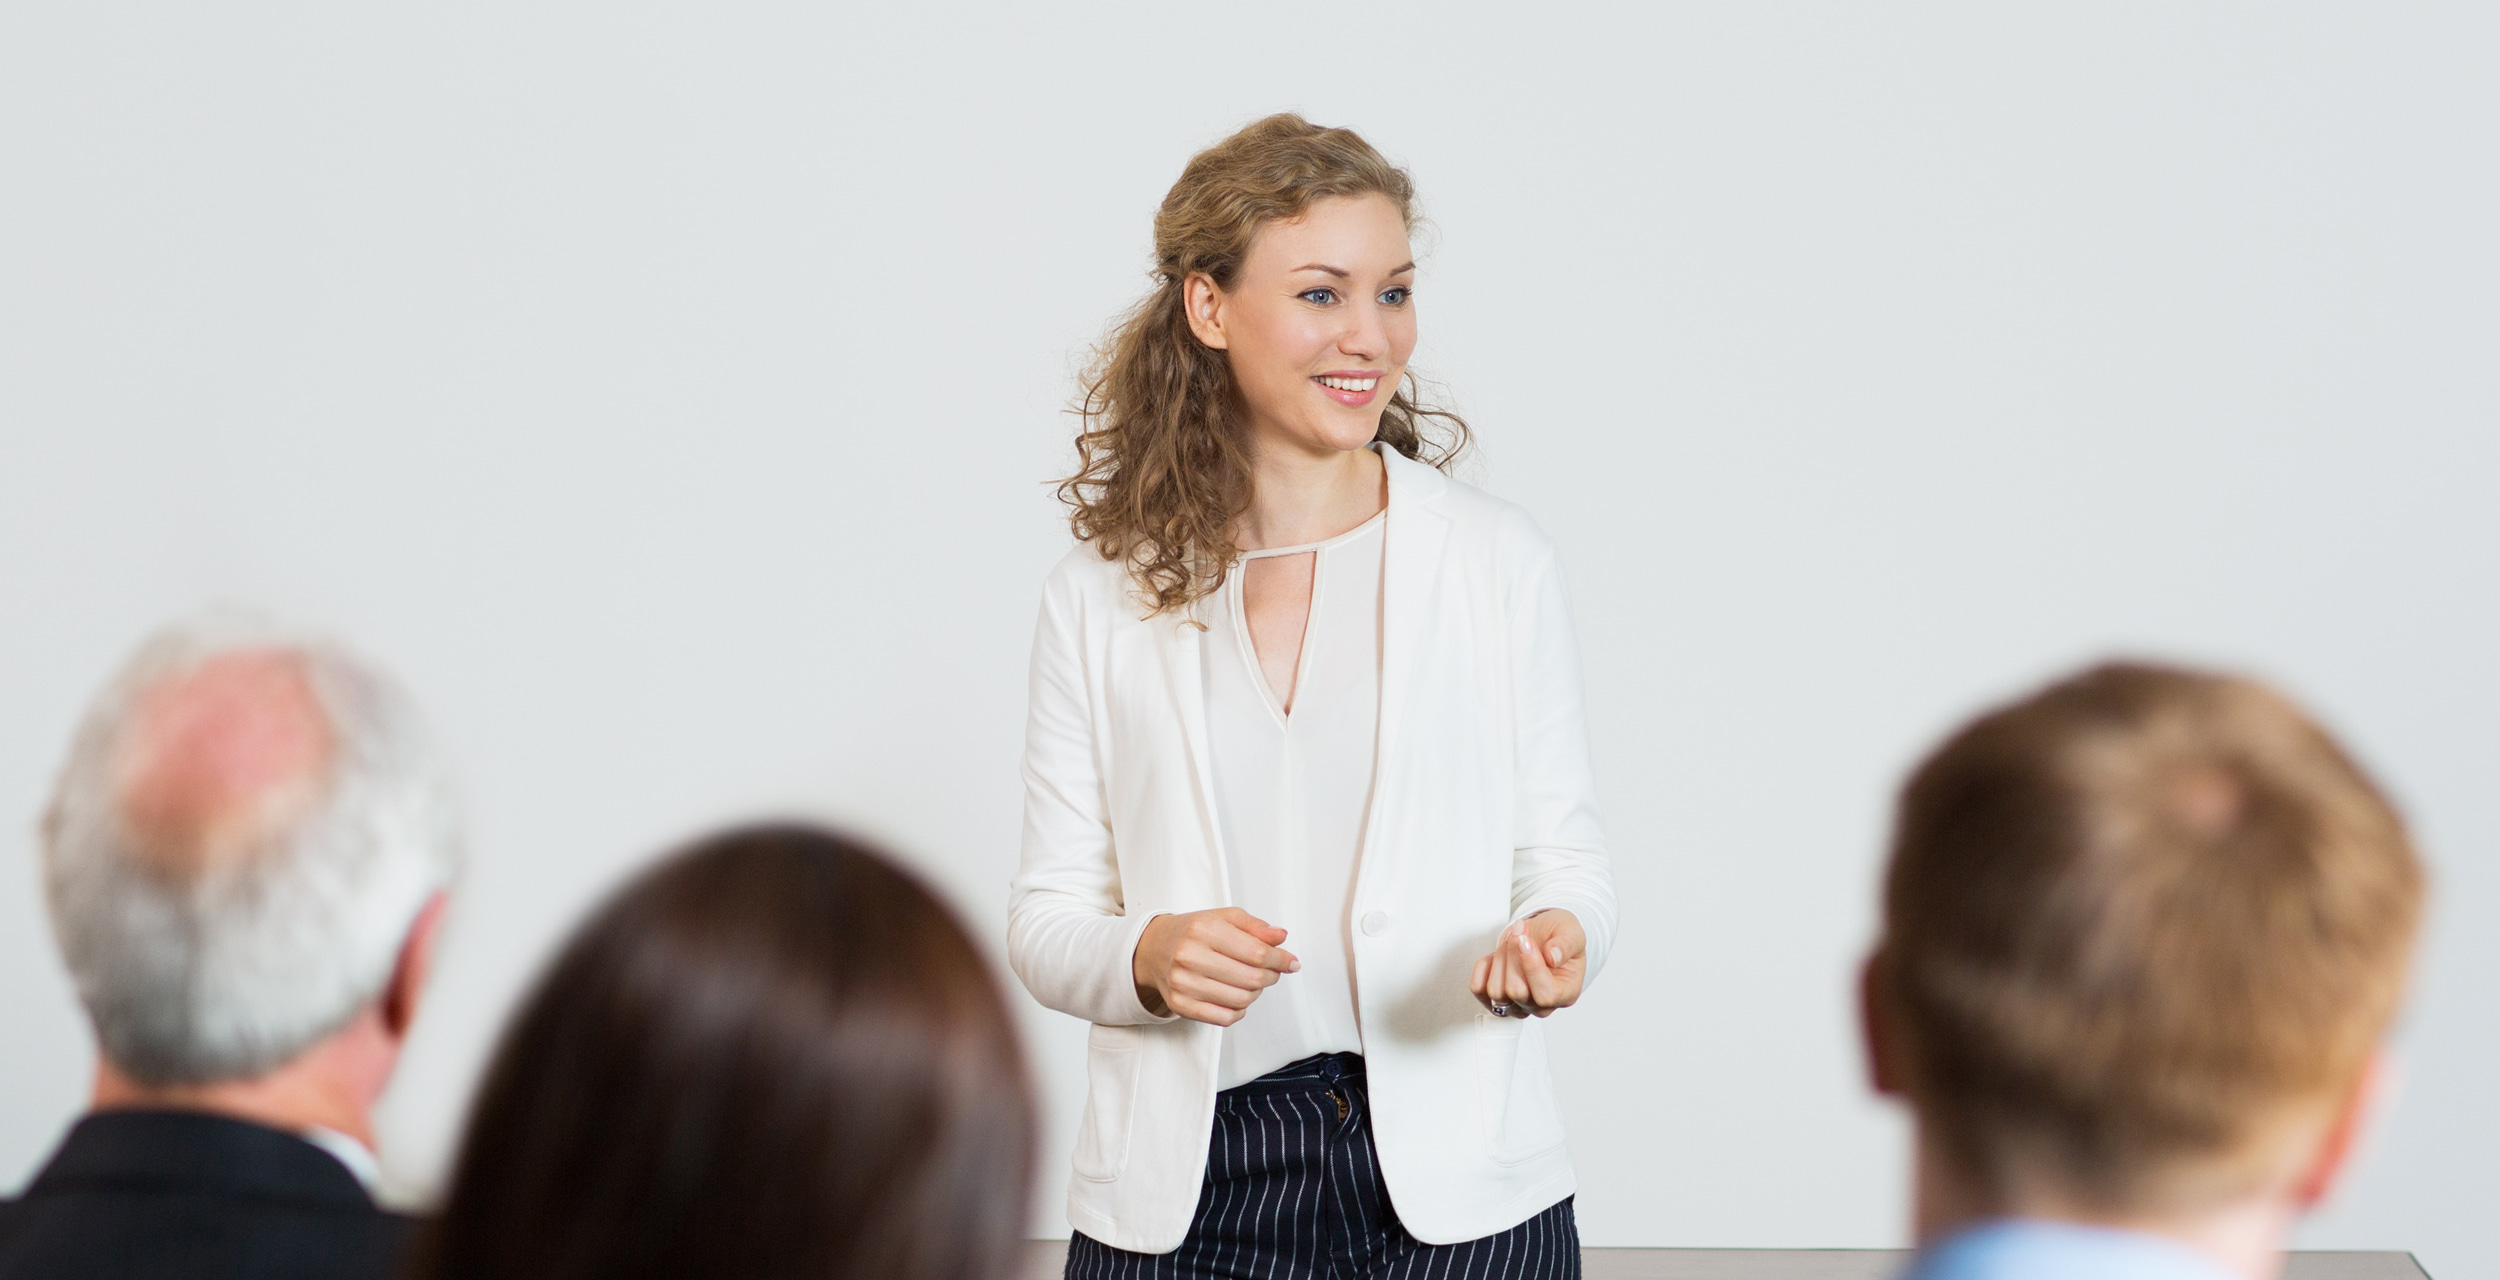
(1349, 384)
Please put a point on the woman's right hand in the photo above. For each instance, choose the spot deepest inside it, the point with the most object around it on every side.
(1208, 965)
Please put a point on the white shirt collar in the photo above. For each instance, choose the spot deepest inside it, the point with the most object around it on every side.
(347, 1151)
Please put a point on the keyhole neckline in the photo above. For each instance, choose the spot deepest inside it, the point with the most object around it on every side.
(1280, 705)
(1321, 545)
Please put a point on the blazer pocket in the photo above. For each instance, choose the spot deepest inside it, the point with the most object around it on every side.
(1515, 1091)
(1112, 1058)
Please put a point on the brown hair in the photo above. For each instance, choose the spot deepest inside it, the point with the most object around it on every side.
(1163, 468)
(773, 1055)
(2136, 927)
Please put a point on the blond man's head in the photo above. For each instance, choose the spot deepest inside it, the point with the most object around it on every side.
(2143, 932)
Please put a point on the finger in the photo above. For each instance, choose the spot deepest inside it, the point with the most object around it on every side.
(1517, 991)
(1544, 987)
(1487, 975)
(1207, 990)
(1248, 949)
(1559, 937)
(1555, 988)
(1225, 969)
(1557, 953)
(1559, 991)
(1547, 945)
(1198, 1011)
(1489, 990)
(1498, 982)
(1250, 924)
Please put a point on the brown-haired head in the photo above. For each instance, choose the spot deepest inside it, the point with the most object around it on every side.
(2142, 929)
(774, 1054)
(1163, 467)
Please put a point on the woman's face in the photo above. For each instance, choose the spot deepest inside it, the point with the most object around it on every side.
(1318, 324)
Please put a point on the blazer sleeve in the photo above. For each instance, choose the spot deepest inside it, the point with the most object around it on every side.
(1067, 937)
(1560, 848)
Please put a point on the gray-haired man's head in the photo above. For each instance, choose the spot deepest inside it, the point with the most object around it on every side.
(249, 822)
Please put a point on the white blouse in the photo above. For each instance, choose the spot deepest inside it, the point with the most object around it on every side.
(1482, 812)
(1292, 793)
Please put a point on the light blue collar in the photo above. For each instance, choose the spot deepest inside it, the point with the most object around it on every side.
(2036, 1250)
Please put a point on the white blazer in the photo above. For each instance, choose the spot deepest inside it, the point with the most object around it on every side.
(1481, 814)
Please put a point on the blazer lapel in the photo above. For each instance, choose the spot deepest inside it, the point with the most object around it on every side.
(1410, 572)
(1184, 649)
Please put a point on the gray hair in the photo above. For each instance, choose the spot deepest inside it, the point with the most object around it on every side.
(233, 971)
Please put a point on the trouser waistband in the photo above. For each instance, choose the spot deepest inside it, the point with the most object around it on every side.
(1319, 1071)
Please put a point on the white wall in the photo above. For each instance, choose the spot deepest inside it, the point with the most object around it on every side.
(666, 393)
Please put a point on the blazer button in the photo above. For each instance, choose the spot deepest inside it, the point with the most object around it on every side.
(1376, 923)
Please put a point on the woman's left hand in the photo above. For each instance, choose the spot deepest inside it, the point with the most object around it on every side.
(1536, 967)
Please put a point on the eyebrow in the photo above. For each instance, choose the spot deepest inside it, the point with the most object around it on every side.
(1343, 274)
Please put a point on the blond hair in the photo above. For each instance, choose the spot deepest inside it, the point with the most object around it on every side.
(1163, 468)
(2140, 928)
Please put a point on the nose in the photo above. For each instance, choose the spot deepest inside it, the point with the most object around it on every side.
(1366, 336)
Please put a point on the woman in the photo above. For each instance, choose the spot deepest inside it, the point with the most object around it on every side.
(1305, 769)
(772, 1055)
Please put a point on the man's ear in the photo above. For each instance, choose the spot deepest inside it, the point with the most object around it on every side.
(1883, 1067)
(416, 964)
(1203, 303)
(2343, 1131)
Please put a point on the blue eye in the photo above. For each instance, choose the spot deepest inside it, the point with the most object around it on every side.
(1318, 297)
(1396, 296)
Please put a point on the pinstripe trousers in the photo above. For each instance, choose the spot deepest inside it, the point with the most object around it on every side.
(1293, 1192)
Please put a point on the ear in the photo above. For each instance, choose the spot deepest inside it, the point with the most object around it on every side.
(416, 964)
(2343, 1131)
(1203, 303)
(1883, 1067)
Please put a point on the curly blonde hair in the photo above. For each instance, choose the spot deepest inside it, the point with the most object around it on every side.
(1163, 465)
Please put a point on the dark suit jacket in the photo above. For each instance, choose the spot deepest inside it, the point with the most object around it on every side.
(156, 1195)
